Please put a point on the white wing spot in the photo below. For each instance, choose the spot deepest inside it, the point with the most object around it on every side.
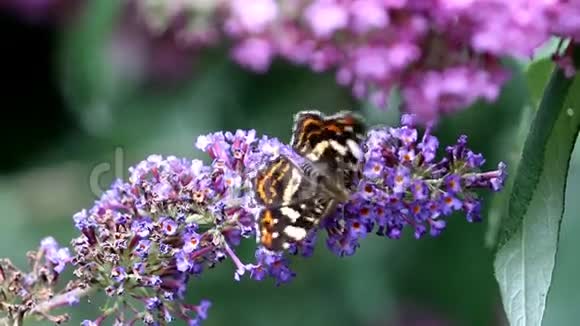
(338, 147)
(292, 214)
(295, 233)
(355, 149)
(310, 218)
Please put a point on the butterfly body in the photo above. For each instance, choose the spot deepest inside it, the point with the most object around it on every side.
(296, 196)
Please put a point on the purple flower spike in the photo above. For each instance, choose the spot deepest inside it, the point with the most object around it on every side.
(404, 190)
(176, 218)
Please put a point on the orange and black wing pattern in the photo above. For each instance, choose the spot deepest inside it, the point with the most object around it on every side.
(294, 198)
(325, 139)
(291, 207)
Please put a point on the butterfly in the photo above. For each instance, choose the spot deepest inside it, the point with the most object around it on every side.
(296, 195)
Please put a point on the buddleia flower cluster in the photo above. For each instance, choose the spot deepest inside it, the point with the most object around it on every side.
(404, 185)
(146, 238)
(441, 55)
(24, 293)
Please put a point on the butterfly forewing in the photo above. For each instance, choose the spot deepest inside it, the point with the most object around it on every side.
(328, 140)
(272, 181)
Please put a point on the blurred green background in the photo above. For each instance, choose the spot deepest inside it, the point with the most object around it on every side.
(94, 92)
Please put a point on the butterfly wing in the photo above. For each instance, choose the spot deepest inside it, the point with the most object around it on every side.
(280, 226)
(272, 181)
(292, 204)
(332, 144)
(295, 198)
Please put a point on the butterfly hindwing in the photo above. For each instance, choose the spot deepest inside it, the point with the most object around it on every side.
(286, 224)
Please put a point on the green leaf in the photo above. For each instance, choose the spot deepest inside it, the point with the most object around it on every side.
(537, 76)
(498, 208)
(562, 304)
(528, 240)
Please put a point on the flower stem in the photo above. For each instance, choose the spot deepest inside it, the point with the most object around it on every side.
(61, 299)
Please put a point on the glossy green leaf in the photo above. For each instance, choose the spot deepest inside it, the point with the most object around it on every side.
(528, 240)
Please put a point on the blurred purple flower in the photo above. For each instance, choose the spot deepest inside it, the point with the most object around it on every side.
(442, 55)
(326, 17)
(254, 53)
(252, 16)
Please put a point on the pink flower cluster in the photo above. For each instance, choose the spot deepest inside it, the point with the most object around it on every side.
(442, 55)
